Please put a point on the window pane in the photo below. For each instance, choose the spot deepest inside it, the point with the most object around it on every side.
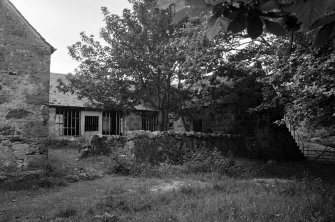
(91, 123)
(67, 122)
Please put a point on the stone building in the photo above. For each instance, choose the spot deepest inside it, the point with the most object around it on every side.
(24, 92)
(73, 117)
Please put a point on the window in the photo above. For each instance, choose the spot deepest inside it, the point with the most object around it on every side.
(197, 125)
(111, 123)
(91, 123)
(171, 126)
(67, 122)
(149, 120)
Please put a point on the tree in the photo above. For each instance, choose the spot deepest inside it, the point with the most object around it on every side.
(298, 81)
(278, 16)
(137, 63)
(304, 81)
(298, 77)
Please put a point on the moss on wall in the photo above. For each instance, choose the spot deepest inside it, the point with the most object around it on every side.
(17, 114)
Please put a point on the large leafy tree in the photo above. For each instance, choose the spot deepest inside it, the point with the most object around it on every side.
(298, 80)
(136, 64)
(304, 81)
(298, 74)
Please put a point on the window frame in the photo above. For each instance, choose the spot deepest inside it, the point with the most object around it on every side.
(91, 123)
(111, 123)
(67, 122)
(149, 121)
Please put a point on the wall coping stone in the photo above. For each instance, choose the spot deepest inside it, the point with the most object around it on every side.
(156, 134)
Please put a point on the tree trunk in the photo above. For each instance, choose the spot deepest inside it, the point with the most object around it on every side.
(161, 117)
(163, 120)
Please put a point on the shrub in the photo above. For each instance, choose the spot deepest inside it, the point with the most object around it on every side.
(51, 182)
(205, 161)
(147, 150)
(101, 146)
(66, 212)
(55, 169)
(65, 143)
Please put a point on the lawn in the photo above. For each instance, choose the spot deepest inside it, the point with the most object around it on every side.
(253, 191)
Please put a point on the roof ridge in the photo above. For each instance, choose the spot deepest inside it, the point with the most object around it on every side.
(32, 27)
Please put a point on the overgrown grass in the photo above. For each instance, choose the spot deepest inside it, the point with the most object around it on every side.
(222, 200)
(208, 189)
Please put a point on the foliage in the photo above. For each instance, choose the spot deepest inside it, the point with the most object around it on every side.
(67, 212)
(136, 63)
(205, 161)
(62, 143)
(229, 84)
(125, 166)
(277, 16)
(299, 81)
(97, 146)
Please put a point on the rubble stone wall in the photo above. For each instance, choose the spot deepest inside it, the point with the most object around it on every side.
(157, 146)
(24, 92)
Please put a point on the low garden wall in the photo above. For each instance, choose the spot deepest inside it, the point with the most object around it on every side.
(170, 147)
(174, 147)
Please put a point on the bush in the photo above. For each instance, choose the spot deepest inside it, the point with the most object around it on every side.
(51, 182)
(127, 167)
(65, 143)
(123, 163)
(101, 146)
(57, 143)
(205, 161)
(67, 212)
(147, 150)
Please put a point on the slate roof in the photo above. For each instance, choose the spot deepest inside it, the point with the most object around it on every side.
(58, 98)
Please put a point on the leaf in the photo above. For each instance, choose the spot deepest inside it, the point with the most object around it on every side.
(214, 2)
(269, 5)
(224, 24)
(323, 21)
(239, 23)
(214, 26)
(164, 4)
(184, 8)
(323, 34)
(275, 28)
(198, 7)
(229, 14)
(255, 26)
(308, 11)
(180, 15)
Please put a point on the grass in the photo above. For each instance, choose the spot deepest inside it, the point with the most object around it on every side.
(228, 199)
(250, 191)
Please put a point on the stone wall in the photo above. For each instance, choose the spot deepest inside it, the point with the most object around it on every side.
(159, 146)
(225, 120)
(133, 122)
(24, 87)
(278, 145)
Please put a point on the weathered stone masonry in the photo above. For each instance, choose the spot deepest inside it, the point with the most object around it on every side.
(24, 92)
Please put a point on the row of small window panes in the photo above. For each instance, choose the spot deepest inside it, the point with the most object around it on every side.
(149, 122)
(111, 123)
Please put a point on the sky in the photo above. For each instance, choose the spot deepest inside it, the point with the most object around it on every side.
(61, 21)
